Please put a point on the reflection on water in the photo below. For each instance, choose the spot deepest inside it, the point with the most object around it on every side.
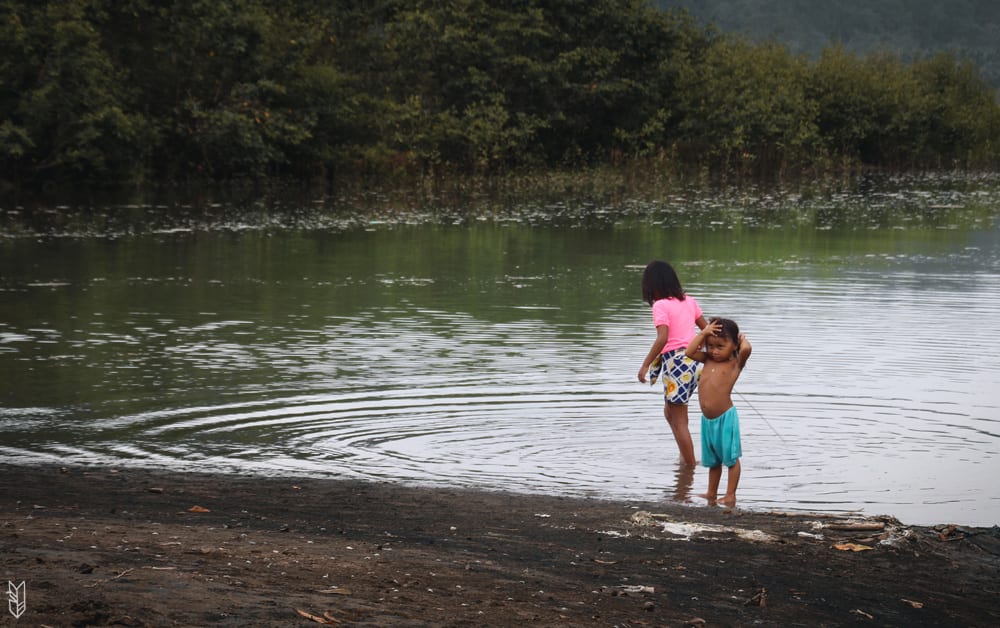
(501, 352)
(683, 483)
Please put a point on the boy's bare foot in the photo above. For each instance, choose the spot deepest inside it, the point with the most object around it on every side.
(728, 500)
(710, 497)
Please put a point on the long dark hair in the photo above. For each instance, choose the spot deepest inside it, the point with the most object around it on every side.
(660, 281)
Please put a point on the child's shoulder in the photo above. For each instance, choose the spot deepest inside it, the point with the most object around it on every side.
(673, 299)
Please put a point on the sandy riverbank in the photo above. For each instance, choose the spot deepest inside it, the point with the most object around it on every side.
(147, 548)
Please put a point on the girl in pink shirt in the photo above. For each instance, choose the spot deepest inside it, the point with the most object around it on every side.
(675, 316)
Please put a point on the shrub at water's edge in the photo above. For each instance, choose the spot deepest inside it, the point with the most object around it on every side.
(110, 93)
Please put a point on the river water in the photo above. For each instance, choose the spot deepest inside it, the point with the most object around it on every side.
(494, 344)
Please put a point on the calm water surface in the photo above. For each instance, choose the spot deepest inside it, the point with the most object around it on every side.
(496, 346)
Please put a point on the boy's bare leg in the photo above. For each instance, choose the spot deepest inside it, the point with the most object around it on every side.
(714, 477)
(732, 482)
(677, 418)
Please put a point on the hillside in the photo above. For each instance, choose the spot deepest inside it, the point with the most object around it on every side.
(911, 28)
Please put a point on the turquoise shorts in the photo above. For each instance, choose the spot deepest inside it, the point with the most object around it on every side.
(720, 439)
(680, 376)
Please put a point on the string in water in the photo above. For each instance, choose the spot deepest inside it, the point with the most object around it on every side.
(746, 401)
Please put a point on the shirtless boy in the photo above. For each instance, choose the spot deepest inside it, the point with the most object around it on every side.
(725, 352)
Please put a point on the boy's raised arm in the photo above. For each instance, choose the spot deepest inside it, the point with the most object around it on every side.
(743, 353)
(694, 349)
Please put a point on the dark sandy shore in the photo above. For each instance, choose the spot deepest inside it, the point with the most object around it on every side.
(143, 548)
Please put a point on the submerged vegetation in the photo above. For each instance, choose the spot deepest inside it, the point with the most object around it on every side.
(602, 199)
(139, 91)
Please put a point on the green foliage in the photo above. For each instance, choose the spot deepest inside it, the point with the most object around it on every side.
(749, 107)
(961, 114)
(910, 29)
(132, 91)
(72, 113)
(846, 92)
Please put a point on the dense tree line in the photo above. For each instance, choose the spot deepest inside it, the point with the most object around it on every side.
(909, 28)
(134, 91)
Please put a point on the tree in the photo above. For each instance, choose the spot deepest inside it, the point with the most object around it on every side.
(747, 107)
(72, 114)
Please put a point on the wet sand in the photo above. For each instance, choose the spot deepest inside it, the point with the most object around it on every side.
(128, 547)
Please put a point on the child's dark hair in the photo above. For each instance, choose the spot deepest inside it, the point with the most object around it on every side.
(729, 330)
(660, 281)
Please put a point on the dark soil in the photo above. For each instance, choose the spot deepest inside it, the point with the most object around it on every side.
(146, 548)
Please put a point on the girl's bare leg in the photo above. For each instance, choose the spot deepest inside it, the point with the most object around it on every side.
(734, 480)
(677, 418)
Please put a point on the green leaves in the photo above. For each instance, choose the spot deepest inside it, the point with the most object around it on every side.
(143, 90)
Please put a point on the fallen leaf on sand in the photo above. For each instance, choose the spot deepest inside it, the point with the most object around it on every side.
(759, 599)
(912, 603)
(851, 547)
(326, 619)
(198, 509)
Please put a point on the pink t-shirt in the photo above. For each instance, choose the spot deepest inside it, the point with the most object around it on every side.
(679, 316)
